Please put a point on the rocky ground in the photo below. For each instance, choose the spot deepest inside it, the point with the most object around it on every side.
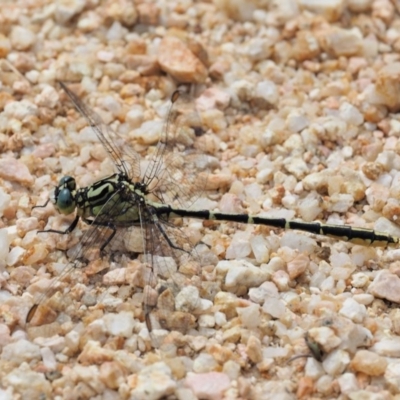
(299, 104)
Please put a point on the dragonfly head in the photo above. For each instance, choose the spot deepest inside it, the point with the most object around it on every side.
(64, 195)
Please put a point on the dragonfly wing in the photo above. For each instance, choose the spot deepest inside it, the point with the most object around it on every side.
(94, 244)
(171, 267)
(125, 159)
(176, 173)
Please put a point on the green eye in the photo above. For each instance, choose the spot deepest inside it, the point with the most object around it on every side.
(65, 201)
(67, 182)
(64, 198)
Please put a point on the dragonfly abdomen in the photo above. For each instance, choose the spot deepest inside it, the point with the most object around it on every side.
(367, 237)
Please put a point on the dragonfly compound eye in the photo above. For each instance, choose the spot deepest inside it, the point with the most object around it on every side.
(65, 201)
(67, 182)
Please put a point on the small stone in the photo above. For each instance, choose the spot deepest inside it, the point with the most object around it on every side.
(258, 49)
(232, 335)
(123, 11)
(336, 362)
(135, 117)
(15, 255)
(21, 38)
(384, 10)
(387, 347)
(209, 386)
(5, 47)
(306, 46)
(305, 387)
(94, 353)
(20, 109)
(90, 378)
(359, 6)
(204, 363)
(297, 266)
(112, 374)
(343, 42)
(206, 321)
(5, 337)
(372, 170)
(364, 298)
(48, 358)
(55, 343)
(237, 10)
(218, 69)
(214, 119)
(144, 64)
(27, 383)
(35, 254)
(15, 171)
(331, 9)
(20, 351)
(254, 349)
(176, 59)
(386, 286)
(213, 98)
(341, 202)
(281, 280)
(148, 133)
(262, 293)
(188, 299)
(4, 243)
(89, 22)
(47, 98)
(351, 114)
(105, 56)
(116, 32)
(267, 91)
(241, 274)
(120, 324)
(25, 225)
(232, 369)
(348, 383)
(250, 316)
(274, 307)
(43, 151)
(369, 363)
(313, 368)
(154, 382)
(274, 352)
(296, 123)
(353, 310)
(387, 87)
(325, 337)
(67, 9)
(392, 375)
(359, 280)
(148, 13)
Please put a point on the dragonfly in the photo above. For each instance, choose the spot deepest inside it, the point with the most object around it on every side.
(154, 196)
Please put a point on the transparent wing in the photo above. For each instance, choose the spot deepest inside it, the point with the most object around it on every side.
(171, 264)
(95, 244)
(125, 159)
(174, 175)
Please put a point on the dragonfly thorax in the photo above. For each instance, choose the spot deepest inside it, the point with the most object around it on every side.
(64, 195)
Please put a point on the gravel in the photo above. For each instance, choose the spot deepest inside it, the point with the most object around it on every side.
(300, 104)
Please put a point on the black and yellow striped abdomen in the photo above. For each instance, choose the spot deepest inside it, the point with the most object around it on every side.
(362, 236)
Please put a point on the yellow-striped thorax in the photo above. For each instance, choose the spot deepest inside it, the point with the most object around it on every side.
(114, 195)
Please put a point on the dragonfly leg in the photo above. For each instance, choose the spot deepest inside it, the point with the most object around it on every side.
(68, 230)
(108, 225)
(43, 205)
(160, 228)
